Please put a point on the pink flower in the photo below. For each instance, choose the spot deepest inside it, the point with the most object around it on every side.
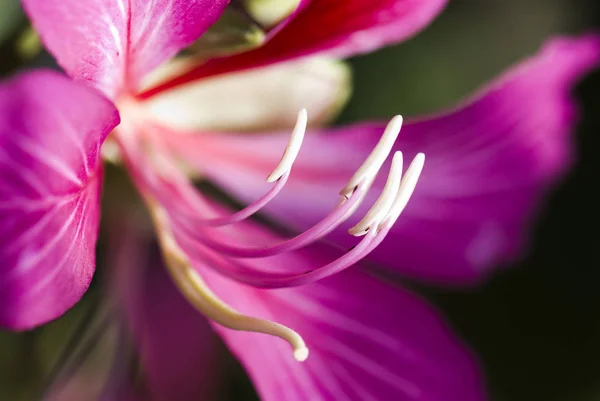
(489, 162)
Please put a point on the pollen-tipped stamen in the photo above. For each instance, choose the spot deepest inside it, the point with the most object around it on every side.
(352, 197)
(292, 149)
(202, 298)
(280, 175)
(249, 210)
(407, 187)
(240, 271)
(249, 275)
(314, 233)
(385, 200)
(368, 170)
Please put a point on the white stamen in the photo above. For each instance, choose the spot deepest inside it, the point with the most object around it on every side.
(292, 149)
(368, 170)
(300, 354)
(383, 204)
(407, 187)
(193, 287)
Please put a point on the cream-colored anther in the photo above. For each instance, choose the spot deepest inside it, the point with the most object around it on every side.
(292, 149)
(383, 204)
(407, 187)
(368, 170)
(204, 300)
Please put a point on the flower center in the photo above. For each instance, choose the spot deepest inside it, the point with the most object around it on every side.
(176, 208)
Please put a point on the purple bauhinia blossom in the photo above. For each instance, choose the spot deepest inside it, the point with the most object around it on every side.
(490, 161)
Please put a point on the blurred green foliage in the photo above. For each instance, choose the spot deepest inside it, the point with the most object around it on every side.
(10, 18)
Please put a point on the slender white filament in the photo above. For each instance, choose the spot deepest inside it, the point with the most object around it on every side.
(383, 204)
(204, 300)
(368, 170)
(407, 187)
(292, 149)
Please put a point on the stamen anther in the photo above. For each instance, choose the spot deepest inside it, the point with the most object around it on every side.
(301, 354)
(407, 187)
(375, 160)
(383, 204)
(292, 149)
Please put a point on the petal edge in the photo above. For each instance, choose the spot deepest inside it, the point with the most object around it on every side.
(50, 180)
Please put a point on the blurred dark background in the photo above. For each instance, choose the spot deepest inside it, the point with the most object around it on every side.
(535, 325)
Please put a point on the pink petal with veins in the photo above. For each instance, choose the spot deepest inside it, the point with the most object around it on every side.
(367, 341)
(112, 44)
(51, 130)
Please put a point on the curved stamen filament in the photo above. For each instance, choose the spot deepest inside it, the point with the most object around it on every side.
(316, 232)
(385, 200)
(363, 177)
(292, 149)
(353, 196)
(198, 294)
(385, 211)
(189, 245)
(376, 224)
(407, 187)
(262, 279)
(375, 233)
(280, 175)
(249, 210)
(375, 160)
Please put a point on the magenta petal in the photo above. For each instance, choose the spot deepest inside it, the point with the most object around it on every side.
(51, 130)
(489, 164)
(367, 341)
(112, 44)
(178, 350)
